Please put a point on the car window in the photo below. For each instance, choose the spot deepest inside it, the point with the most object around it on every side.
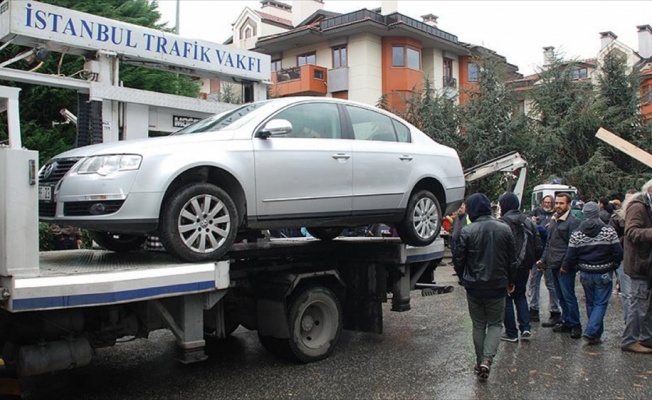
(313, 120)
(402, 131)
(371, 125)
(231, 119)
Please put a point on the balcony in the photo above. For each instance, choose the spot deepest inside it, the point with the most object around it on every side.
(306, 80)
(450, 82)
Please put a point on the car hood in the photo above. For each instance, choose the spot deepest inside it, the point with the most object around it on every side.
(146, 146)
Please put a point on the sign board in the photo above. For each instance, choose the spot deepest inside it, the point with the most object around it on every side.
(181, 121)
(34, 24)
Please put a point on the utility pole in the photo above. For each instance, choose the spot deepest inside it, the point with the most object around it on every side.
(176, 25)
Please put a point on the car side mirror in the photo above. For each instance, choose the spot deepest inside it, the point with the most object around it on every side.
(275, 127)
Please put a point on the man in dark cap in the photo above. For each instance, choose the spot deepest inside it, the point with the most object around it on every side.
(528, 251)
(594, 249)
(485, 262)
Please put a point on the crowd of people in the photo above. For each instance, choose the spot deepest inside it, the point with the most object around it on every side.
(501, 260)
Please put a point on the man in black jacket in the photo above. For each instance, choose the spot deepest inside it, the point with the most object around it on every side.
(485, 262)
(561, 227)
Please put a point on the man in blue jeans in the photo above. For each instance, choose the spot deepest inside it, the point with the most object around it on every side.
(561, 227)
(528, 250)
(594, 249)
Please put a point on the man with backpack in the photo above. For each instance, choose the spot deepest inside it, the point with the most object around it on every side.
(528, 250)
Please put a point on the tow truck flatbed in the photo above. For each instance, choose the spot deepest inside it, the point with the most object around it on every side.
(79, 278)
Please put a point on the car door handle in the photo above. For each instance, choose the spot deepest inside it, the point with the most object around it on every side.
(341, 156)
(405, 157)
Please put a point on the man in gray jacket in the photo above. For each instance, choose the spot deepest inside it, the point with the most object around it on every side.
(485, 262)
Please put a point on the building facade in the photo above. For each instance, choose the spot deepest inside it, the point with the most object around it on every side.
(364, 55)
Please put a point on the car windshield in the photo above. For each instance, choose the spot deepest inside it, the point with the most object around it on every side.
(231, 119)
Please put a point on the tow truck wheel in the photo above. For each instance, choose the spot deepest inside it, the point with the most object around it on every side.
(315, 322)
(325, 233)
(422, 221)
(199, 223)
(117, 242)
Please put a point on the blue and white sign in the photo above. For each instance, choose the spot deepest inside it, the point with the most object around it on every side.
(61, 28)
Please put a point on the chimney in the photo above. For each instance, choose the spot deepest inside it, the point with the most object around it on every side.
(388, 7)
(548, 55)
(276, 8)
(430, 19)
(302, 9)
(606, 38)
(644, 41)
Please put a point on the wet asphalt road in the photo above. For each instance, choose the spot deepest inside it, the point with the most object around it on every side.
(424, 353)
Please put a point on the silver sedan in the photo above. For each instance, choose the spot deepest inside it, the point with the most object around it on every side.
(319, 163)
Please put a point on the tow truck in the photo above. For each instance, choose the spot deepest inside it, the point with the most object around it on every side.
(57, 308)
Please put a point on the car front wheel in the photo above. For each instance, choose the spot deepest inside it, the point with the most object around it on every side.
(199, 223)
(422, 221)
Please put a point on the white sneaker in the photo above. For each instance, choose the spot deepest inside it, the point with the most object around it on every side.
(526, 335)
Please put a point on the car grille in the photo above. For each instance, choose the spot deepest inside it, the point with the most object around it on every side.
(46, 209)
(83, 208)
(56, 169)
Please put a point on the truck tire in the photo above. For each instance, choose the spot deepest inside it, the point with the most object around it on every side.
(422, 221)
(315, 322)
(325, 233)
(117, 242)
(199, 223)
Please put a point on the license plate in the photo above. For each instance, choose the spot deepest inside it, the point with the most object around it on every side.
(45, 193)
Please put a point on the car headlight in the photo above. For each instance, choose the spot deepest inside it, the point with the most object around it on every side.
(105, 165)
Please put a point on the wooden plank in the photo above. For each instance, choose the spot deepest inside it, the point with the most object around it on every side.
(624, 146)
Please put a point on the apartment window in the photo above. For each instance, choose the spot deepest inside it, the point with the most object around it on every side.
(401, 54)
(646, 94)
(413, 58)
(276, 65)
(473, 72)
(398, 56)
(339, 57)
(308, 58)
(580, 73)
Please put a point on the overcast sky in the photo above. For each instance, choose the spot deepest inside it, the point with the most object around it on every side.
(517, 30)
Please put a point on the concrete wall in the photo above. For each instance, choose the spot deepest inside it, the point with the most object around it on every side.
(365, 69)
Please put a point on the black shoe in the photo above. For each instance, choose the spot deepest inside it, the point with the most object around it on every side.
(576, 332)
(561, 328)
(555, 318)
(534, 315)
(485, 369)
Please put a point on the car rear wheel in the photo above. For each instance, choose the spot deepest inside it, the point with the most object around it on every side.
(118, 242)
(199, 223)
(325, 233)
(422, 221)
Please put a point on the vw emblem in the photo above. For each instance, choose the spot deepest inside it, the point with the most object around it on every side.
(48, 170)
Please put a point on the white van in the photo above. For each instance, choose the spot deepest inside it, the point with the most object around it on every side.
(551, 189)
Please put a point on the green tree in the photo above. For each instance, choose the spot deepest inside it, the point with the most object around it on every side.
(430, 111)
(489, 125)
(618, 105)
(40, 105)
(563, 124)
